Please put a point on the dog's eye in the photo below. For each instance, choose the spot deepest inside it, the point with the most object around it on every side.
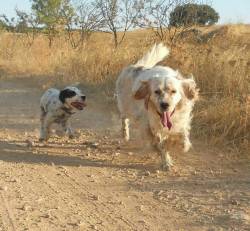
(158, 92)
(173, 91)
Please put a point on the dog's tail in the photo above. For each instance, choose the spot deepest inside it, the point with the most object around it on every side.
(157, 53)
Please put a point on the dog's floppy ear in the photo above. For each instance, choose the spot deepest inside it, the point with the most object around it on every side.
(179, 75)
(189, 89)
(142, 90)
(66, 93)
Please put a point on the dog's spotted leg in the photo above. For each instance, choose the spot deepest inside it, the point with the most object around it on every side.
(66, 125)
(125, 128)
(42, 119)
(42, 134)
(45, 127)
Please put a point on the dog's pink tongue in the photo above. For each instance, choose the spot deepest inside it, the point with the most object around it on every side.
(166, 120)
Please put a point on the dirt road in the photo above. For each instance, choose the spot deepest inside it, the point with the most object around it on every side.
(95, 182)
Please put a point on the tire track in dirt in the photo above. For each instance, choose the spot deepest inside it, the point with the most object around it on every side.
(7, 215)
(96, 210)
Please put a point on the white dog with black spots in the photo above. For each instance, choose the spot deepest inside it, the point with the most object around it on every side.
(57, 107)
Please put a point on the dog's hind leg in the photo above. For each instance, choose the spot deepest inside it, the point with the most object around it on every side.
(46, 122)
(125, 128)
(42, 120)
(42, 114)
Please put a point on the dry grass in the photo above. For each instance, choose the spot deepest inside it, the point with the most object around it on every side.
(219, 60)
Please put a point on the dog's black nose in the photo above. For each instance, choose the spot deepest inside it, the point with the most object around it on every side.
(164, 106)
(83, 97)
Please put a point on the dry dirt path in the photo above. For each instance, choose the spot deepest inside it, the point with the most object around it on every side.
(97, 183)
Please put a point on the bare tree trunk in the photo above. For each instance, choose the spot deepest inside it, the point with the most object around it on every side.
(50, 37)
(115, 38)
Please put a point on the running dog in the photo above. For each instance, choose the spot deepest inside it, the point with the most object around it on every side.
(57, 107)
(159, 97)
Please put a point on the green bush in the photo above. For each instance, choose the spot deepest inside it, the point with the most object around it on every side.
(193, 14)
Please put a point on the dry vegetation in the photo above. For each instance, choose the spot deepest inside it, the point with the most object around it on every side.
(218, 57)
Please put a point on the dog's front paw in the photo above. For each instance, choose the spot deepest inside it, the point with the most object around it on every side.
(43, 136)
(165, 167)
(42, 139)
(71, 136)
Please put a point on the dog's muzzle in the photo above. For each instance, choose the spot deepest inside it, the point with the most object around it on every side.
(78, 105)
(164, 106)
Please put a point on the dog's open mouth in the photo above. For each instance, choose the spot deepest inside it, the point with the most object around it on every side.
(166, 119)
(78, 105)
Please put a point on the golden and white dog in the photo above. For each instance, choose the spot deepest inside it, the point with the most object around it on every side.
(159, 96)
